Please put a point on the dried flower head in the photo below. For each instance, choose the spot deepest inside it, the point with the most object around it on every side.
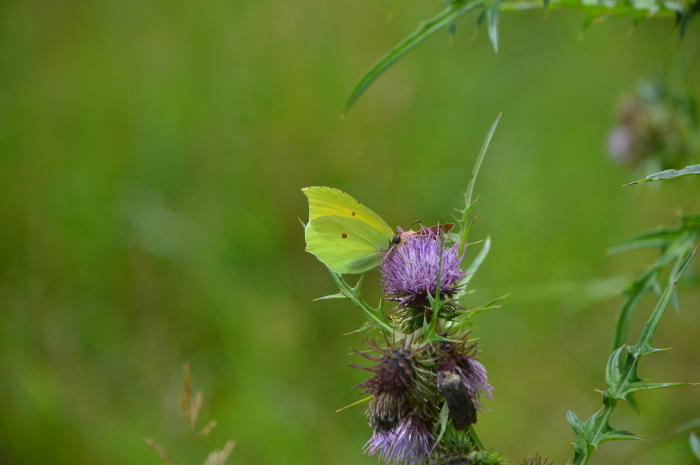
(536, 460)
(410, 273)
(397, 380)
(409, 441)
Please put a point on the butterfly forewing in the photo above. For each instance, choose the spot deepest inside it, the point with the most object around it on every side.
(327, 201)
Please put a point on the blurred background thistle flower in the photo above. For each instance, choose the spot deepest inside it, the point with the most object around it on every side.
(657, 125)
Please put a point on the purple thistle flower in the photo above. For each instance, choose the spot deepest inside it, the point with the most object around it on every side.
(410, 272)
(409, 442)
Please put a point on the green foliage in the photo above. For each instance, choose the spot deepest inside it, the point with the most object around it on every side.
(596, 11)
(693, 424)
(621, 381)
(426, 30)
(695, 445)
(676, 245)
(669, 174)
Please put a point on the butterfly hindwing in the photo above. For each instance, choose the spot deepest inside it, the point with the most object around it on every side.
(346, 245)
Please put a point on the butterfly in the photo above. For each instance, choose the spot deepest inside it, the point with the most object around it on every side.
(344, 234)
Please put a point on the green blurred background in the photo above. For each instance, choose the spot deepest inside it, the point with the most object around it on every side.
(151, 159)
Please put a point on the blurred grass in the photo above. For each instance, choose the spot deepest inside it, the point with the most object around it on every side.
(151, 156)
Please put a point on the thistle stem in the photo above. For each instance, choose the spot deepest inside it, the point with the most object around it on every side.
(478, 445)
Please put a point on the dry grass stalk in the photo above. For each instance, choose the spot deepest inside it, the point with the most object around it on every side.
(195, 409)
(160, 450)
(204, 432)
(219, 457)
(186, 393)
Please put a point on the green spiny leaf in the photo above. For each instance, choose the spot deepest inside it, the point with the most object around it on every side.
(613, 370)
(442, 422)
(575, 423)
(359, 402)
(425, 31)
(649, 328)
(616, 435)
(463, 227)
(634, 294)
(676, 250)
(375, 317)
(670, 174)
(659, 237)
(473, 267)
(640, 386)
(334, 296)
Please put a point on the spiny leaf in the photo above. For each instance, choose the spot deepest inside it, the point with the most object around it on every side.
(639, 386)
(658, 237)
(621, 381)
(359, 402)
(649, 328)
(375, 317)
(575, 423)
(463, 227)
(596, 10)
(669, 174)
(634, 294)
(442, 422)
(334, 296)
(473, 267)
(613, 370)
(616, 434)
(676, 250)
(425, 31)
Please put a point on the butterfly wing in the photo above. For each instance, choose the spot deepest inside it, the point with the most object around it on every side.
(327, 201)
(345, 245)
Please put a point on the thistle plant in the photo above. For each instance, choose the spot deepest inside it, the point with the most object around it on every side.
(427, 382)
(678, 246)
